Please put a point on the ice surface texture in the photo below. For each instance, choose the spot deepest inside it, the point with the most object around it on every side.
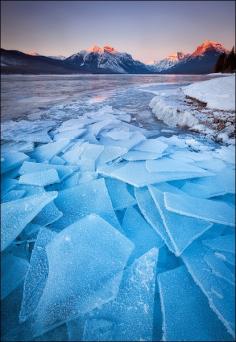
(112, 232)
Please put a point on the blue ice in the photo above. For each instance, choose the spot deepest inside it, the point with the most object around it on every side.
(185, 311)
(86, 262)
(17, 214)
(40, 178)
(182, 230)
(209, 210)
(131, 312)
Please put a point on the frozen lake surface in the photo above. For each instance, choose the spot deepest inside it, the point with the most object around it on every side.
(114, 226)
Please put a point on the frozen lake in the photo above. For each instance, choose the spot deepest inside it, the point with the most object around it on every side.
(24, 95)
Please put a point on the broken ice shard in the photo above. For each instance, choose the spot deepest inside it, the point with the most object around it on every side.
(11, 160)
(40, 178)
(132, 310)
(140, 232)
(209, 210)
(86, 262)
(119, 194)
(47, 151)
(17, 214)
(149, 210)
(220, 294)
(182, 230)
(13, 270)
(91, 197)
(182, 301)
(225, 243)
(36, 276)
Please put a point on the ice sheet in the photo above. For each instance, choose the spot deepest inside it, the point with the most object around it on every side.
(119, 194)
(209, 210)
(17, 214)
(13, 270)
(225, 243)
(37, 274)
(132, 311)
(63, 170)
(70, 291)
(40, 178)
(182, 301)
(13, 195)
(152, 145)
(140, 232)
(140, 155)
(220, 294)
(219, 268)
(84, 196)
(111, 153)
(182, 230)
(170, 165)
(47, 151)
(151, 214)
(11, 160)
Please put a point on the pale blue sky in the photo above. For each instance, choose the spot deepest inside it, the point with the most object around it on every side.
(147, 29)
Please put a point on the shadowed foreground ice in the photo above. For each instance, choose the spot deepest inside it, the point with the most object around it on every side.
(112, 232)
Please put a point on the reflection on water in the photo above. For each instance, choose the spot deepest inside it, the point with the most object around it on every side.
(25, 94)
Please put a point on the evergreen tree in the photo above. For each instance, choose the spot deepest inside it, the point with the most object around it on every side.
(220, 63)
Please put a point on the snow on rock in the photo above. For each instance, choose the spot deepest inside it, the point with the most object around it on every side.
(207, 107)
(218, 93)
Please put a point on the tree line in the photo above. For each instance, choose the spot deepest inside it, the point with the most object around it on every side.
(226, 62)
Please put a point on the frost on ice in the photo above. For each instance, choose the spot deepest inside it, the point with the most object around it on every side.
(112, 232)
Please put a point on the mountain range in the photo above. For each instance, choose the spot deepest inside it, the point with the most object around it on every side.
(107, 60)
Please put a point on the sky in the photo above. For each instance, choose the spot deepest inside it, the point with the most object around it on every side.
(149, 30)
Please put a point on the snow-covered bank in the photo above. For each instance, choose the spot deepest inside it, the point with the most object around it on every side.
(207, 107)
(218, 93)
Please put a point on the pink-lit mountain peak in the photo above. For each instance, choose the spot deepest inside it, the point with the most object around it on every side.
(106, 48)
(208, 45)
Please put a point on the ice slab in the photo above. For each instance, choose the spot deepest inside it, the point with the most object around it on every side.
(170, 165)
(132, 310)
(226, 256)
(37, 274)
(98, 330)
(190, 156)
(69, 134)
(209, 210)
(136, 174)
(57, 160)
(13, 195)
(149, 210)
(214, 165)
(40, 178)
(118, 133)
(140, 232)
(220, 269)
(90, 197)
(111, 153)
(135, 139)
(119, 194)
(152, 145)
(47, 151)
(69, 290)
(140, 155)
(220, 184)
(225, 243)
(27, 131)
(13, 270)
(62, 170)
(182, 301)
(47, 215)
(182, 230)
(7, 184)
(220, 293)
(17, 214)
(11, 160)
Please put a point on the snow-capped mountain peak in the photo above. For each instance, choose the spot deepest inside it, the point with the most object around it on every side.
(208, 45)
(100, 50)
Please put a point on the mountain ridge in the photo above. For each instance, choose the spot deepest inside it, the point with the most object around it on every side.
(107, 60)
